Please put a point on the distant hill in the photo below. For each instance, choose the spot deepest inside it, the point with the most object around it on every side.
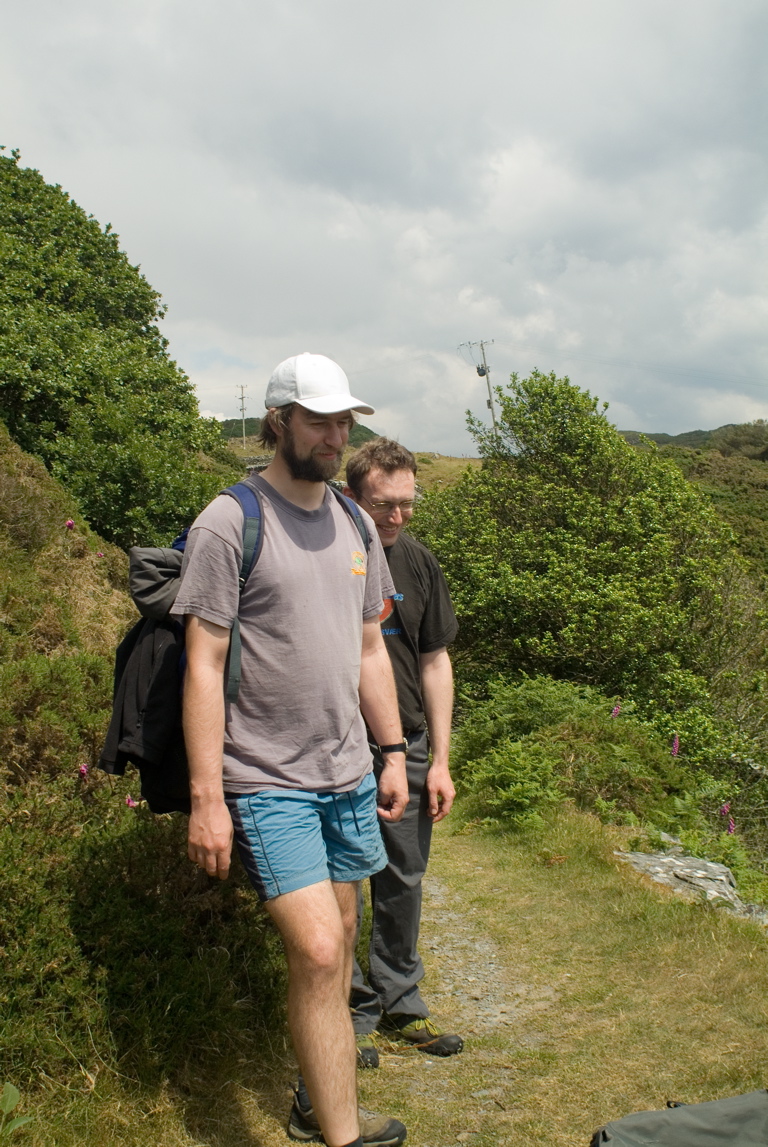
(694, 439)
(233, 428)
(730, 465)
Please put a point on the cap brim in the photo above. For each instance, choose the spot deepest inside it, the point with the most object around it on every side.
(330, 403)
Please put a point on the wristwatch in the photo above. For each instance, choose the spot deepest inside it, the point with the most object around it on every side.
(400, 747)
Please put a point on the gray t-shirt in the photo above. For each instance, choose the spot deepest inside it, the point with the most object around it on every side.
(297, 722)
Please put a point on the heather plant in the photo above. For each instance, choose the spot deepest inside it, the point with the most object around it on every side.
(534, 743)
(118, 954)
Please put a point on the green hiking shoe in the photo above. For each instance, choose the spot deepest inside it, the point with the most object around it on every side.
(424, 1035)
(367, 1052)
(376, 1130)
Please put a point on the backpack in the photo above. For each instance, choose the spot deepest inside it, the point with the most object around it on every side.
(146, 725)
(740, 1121)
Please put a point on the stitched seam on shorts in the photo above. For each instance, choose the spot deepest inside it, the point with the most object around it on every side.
(257, 832)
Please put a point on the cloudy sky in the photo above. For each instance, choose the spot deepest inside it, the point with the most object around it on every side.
(583, 181)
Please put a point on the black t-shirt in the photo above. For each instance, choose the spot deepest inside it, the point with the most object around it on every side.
(420, 619)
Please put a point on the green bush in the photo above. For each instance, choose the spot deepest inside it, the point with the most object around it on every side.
(86, 382)
(538, 741)
(572, 555)
(117, 953)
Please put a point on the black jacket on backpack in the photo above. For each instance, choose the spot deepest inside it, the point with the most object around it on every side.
(146, 729)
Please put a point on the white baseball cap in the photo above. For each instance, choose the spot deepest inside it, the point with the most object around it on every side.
(315, 382)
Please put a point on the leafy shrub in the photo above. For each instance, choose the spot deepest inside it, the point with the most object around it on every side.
(570, 554)
(118, 954)
(86, 383)
(538, 741)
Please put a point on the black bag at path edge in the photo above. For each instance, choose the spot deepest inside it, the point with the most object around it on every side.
(740, 1121)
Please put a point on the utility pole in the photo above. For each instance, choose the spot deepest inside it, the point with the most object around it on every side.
(485, 372)
(242, 410)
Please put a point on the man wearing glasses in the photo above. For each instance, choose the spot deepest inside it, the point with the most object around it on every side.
(418, 625)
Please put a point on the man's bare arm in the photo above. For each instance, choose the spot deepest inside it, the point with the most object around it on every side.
(437, 695)
(210, 825)
(378, 704)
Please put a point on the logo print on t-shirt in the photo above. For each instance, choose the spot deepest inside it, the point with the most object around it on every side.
(358, 562)
(386, 612)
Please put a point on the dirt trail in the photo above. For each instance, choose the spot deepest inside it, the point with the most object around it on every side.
(468, 979)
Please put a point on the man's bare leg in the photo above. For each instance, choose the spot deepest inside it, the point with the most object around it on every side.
(315, 925)
(346, 898)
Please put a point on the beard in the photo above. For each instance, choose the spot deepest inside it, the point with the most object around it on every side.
(309, 469)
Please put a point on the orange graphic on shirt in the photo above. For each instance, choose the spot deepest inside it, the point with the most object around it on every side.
(358, 563)
(386, 612)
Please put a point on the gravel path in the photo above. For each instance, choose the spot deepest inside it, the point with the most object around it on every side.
(468, 979)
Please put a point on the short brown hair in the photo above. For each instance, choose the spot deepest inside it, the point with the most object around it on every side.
(378, 454)
(275, 416)
(281, 416)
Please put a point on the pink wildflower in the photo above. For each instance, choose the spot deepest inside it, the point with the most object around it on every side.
(615, 710)
(99, 554)
(69, 524)
(83, 770)
(676, 746)
(725, 809)
(131, 803)
(731, 825)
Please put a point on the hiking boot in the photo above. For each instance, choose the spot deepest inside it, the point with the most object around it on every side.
(376, 1130)
(367, 1052)
(426, 1037)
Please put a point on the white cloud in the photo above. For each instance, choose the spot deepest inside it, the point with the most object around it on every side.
(584, 182)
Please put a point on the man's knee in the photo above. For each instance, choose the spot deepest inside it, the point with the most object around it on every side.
(320, 955)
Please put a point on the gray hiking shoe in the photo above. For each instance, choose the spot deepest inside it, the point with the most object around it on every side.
(426, 1036)
(367, 1052)
(376, 1130)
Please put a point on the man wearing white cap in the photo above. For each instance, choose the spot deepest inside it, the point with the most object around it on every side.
(286, 769)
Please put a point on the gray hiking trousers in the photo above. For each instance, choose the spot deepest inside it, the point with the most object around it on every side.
(395, 967)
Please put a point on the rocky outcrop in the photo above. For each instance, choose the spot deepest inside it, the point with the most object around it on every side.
(694, 878)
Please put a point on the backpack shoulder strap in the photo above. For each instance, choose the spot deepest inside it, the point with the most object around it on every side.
(253, 525)
(353, 510)
(253, 539)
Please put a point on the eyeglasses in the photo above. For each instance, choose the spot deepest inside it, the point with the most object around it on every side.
(389, 507)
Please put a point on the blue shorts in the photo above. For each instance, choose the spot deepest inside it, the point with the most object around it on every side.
(289, 839)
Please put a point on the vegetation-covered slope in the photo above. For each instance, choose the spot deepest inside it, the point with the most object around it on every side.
(232, 428)
(86, 383)
(98, 897)
(572, 555)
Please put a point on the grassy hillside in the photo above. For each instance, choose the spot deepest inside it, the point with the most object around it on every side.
(232, 431)
(99, 899)
(730, 465)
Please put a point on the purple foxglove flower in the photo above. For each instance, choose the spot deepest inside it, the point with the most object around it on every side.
(731, 825)
(69, 524)
(615, 710)
(725, 809)
(131, 802)
(99, 554)
(83, 770)
(676, 746)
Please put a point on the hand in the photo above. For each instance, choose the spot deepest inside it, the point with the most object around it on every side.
(210, 837)
(440, 792)
(393, 788)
